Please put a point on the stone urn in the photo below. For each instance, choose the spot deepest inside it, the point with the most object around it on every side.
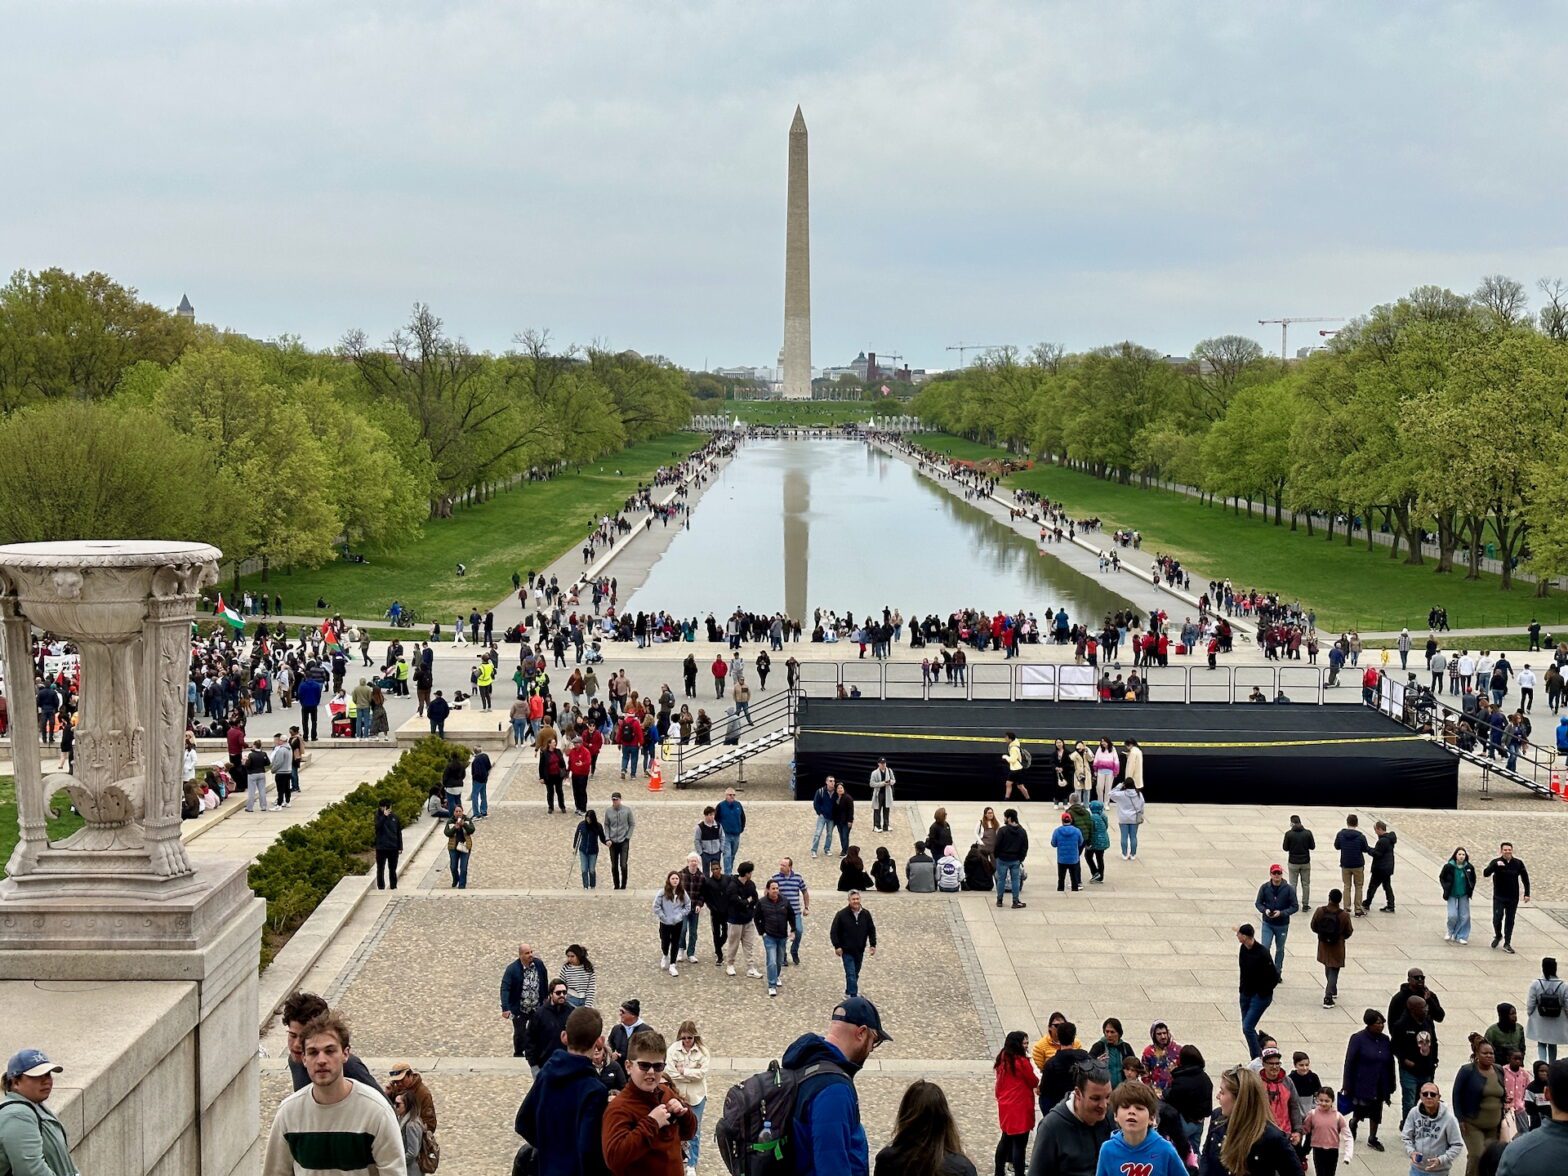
(128, 607)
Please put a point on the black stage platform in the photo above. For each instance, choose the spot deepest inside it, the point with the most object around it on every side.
(1197, 753)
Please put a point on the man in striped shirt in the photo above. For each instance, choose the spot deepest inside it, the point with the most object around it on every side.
(335, 1124)
(792, 888)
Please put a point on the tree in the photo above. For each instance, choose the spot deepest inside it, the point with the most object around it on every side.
(96, 470)
(63, 335)
(1554, 311)
(375, 498)
(1218, 367)
(1503, 298)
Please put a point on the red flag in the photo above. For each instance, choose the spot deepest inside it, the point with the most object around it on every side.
(885, 389)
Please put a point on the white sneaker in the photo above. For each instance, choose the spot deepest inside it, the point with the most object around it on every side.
(673, 972)
(1447, 938)
(729, 969)
(1463, 942)
(690, 959)
(773, 992)
(690, 1171)
(754, 974)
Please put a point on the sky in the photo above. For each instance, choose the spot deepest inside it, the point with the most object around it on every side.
(613, 171)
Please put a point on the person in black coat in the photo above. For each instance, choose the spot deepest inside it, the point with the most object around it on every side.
(1368, 1080)
(852, 933)
(1056, 1078)
(546, 1027)
(1191, 1092)
(884, 872)
(1244, 1106)
(977, 870)
(389, 843)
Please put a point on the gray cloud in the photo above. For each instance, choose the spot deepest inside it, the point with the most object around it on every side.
(992, 171)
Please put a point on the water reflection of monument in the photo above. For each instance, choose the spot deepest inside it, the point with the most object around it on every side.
(797, 540)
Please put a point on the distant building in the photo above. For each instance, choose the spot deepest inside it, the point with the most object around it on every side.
(185, 310)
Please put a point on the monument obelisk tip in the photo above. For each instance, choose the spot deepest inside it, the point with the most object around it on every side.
(798, 126)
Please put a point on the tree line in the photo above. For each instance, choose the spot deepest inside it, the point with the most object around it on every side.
(1439, 417)
(120, 419)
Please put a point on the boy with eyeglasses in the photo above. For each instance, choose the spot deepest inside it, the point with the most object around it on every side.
(646, 1123)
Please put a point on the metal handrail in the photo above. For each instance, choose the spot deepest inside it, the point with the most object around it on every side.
(764, 714)
(1440, 722)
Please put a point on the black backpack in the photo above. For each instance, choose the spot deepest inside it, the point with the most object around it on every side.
(766, 1098)
(1549, 1002)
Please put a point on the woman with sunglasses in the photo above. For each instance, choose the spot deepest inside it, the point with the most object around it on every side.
(1243, 1140)
(687, 1067)
(1431, 1134)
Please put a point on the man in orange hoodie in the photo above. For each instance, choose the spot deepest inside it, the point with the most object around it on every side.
(646, 1123)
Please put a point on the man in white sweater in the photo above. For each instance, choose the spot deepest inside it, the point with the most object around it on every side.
(335, 1124)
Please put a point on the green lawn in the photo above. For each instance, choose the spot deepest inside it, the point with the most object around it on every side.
(790, 412)
(1348, 586)
(59, 827)
(960, 447)
(521, 529)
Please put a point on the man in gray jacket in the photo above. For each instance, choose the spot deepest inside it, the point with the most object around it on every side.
(882, 781)
(920, 871)
(619, 825)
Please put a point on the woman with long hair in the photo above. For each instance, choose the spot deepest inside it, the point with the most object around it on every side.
(670, 907)
(686, 1066)
(940, 835)
(1063, 767)
(1243, 1140)
(1457, 877)
(884, 871)
(925, 1137)
(1016, 1082)
(586, 841)
(1083, 767)
(1106, 764)
(578, 976)
(985, 833)
(852, 872)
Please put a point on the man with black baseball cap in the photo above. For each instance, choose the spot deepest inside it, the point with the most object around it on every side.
(28, 1129)
(828, 1137)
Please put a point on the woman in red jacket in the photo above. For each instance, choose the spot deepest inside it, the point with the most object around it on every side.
(1016, 1081)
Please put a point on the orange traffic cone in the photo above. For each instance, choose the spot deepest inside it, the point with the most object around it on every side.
(656, 778)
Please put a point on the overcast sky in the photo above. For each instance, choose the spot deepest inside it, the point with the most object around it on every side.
(981, 171)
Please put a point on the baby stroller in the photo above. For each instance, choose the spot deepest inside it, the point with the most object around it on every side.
(594, 655)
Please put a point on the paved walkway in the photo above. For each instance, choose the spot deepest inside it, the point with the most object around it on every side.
(417, 973)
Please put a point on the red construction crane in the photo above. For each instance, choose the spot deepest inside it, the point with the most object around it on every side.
(1284, 327)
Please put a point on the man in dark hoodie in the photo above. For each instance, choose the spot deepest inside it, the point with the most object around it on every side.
(1070, 1135)
(828, 1138)
(1258, 980)
(1058, 1076)
(1382, 873)
(1415, 1051)
(564, 1111)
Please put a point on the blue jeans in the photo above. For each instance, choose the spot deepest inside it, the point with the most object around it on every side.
(694, 1144)
(1252, 1010)
(459, 865)
(362, 724)
(1409, 1088)
(629, 761)
(1546, 1050)
(1009, 875)
(824, 826)
(851, 975)
(1268, 933)
(588, 863)
(731, 848)
(519, 732)
(773, 950)
(1459, 917)
(800, 929)
(479, 801)
(1129, 839)
(693, 921)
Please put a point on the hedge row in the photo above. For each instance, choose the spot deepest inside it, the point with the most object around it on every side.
(307, 861)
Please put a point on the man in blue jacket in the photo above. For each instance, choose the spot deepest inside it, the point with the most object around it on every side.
(822, 805)
(524, 986)
(563, 1115)
(309, 700)
(828, 1139)
(732, 823)
(1276, 902)
(1068, 840)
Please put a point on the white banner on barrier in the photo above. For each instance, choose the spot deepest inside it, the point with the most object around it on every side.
(1076, 684)
(1037, 682)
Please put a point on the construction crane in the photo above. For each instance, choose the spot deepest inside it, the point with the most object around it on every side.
(962, 348)
(1284, 327)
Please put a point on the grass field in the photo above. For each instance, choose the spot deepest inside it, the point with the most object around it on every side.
(521, 529)
(960, 447)
(62, 826)
(1348, 586)
(793, 412)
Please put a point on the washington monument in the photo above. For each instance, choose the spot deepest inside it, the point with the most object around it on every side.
(797, 269)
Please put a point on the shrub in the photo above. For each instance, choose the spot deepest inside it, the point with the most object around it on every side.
(302, 866)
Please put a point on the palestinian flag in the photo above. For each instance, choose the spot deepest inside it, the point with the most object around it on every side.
(329, 635)
(227, 615)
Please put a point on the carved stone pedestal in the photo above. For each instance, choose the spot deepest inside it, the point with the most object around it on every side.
(130, 967)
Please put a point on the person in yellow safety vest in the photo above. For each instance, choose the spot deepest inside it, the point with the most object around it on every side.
(402, 677)
(485, 681)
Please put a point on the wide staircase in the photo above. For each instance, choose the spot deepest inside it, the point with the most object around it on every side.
(770, 723)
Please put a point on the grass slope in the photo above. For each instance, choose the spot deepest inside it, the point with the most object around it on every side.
(521, 529)
(1348, 586)
(59, 827)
